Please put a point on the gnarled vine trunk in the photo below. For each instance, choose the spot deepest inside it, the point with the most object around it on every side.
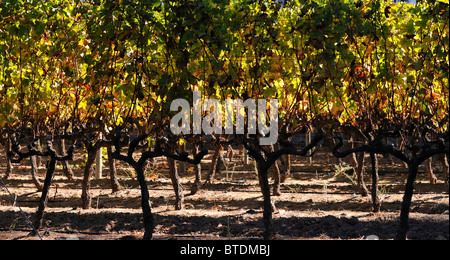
(34, 173)
(115, 186)
(176, 183)
(269, 206)
(66, 167)
(198, 173)
(44, 197)
(413, 169)
(86, 198)
(145, 202)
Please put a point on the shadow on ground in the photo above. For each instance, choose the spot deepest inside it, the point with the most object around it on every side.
(244, 226)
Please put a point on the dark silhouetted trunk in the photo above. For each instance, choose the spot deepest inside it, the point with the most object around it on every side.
(145, 202)
(406, 204)
(44, 197)
(269, 207)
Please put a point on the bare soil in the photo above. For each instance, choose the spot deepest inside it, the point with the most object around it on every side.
(316, 203)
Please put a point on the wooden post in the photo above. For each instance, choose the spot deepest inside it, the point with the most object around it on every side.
(99, 162)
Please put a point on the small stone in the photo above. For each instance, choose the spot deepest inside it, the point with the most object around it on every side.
(72, 238)
(372, 237)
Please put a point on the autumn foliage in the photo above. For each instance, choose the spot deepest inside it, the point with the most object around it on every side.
(371, 68)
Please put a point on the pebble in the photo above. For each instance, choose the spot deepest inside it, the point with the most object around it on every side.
(68, 238)
(372, 237)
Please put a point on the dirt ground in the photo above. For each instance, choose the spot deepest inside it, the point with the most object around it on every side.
(316, 203)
